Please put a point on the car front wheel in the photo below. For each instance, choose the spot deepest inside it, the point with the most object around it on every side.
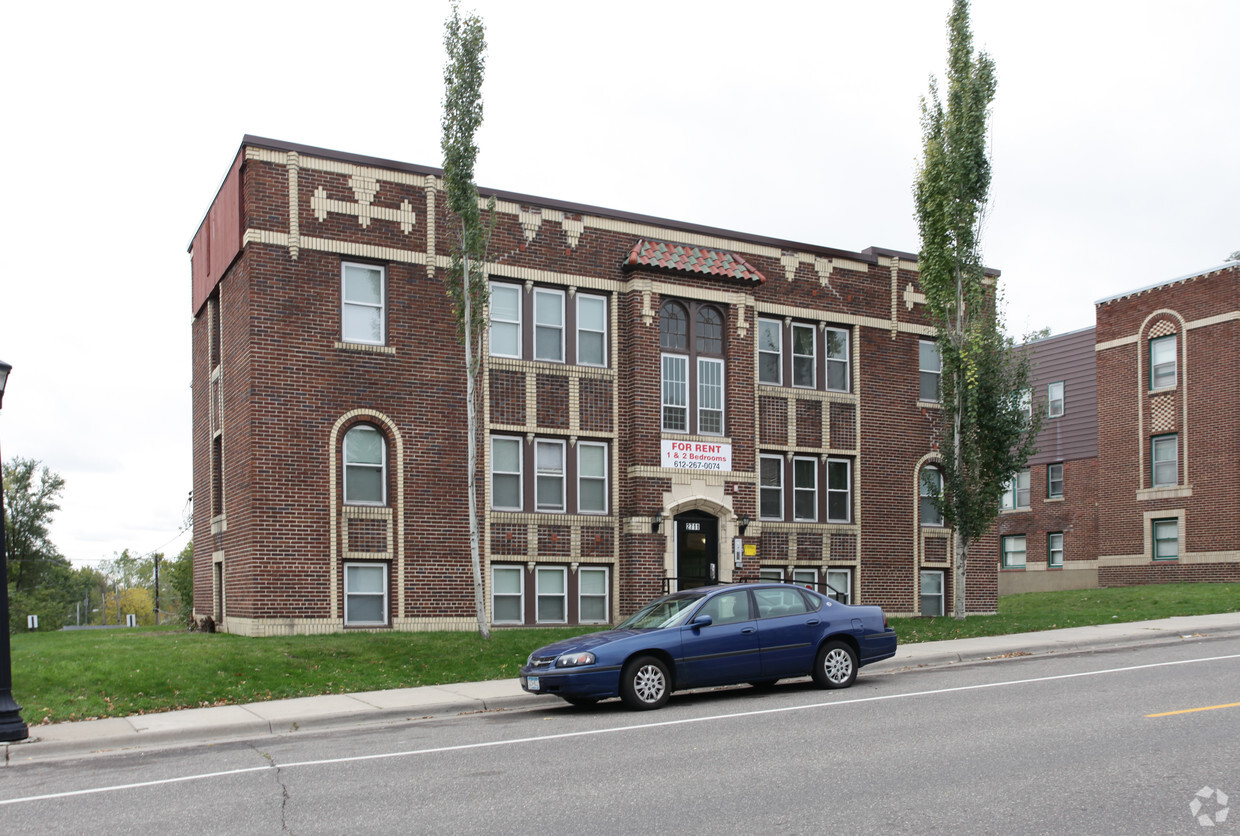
(645, 684)
(836, 666)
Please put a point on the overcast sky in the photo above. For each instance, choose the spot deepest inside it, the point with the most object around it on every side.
(1115, 151)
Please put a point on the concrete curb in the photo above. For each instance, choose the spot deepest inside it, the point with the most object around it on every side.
(230, 723)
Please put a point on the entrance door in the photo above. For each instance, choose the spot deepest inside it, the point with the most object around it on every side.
(697, 549)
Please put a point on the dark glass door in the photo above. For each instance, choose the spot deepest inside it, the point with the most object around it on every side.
(697, 549)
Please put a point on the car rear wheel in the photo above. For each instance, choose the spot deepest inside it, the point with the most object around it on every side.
(645, 684)
(836, 666)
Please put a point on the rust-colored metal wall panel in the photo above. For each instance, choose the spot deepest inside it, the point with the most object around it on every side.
(218, 240)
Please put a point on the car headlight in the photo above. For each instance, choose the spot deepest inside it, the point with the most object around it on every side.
(575, 660)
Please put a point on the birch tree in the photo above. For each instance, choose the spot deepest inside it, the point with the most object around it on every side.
(987, 431)
(465, 43)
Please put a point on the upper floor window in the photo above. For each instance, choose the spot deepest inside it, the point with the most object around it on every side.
(771, 487)
(1054, 399)
(807, 501)
(930, 488)
(692, 374)
(1016, 492)
(362, 304)
(1162, 362)
(1054, 481)
(365, 466)
(839, 490)
(1165, 461)
(805, 489)
(819, 357)
(566, 478)
(930, 366)
(541, 325)
(549, 475)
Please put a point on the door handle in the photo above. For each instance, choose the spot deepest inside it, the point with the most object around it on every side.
(813, 622)
(748, 629)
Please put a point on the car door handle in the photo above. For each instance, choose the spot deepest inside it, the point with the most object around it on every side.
(813, 622)
(749, 629)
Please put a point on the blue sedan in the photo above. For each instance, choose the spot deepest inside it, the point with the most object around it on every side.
(714, 635)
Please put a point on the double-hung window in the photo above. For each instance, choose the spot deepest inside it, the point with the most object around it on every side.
(930, 368)
(1016, 492)
(771, 488)
(365, 467)
(365, 594)
(770, 351)
(839, 490)
(804, 363)
(1054, 400)
(506, 482)
(1162, 362)
(549, 475)
(591, 477)
(1166, 539)
(838, 368)
(839, 585)
(931, 597)
(805, 489)
(591, 330)
(809, 353)
(508, 594)
(593, 592)
(692, 374)
(362, 304)
(551, 603)
(505, 320)
(930, 488)
(549, 325)
(1014, 552)
(1054, 481)
(1054, 549)
(1165, 460)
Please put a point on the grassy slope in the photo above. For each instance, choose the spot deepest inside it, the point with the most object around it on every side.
(79, 675)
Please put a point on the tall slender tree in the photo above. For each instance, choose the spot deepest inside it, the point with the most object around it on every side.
(465, 42)
(988, 429)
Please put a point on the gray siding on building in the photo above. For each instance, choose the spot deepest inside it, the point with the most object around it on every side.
(1068, 358)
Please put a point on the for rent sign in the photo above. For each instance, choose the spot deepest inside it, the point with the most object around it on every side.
(697, 455)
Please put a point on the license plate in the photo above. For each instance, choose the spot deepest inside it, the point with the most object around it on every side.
(532, 682)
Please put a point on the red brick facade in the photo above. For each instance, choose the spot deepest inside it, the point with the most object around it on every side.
(328, 321)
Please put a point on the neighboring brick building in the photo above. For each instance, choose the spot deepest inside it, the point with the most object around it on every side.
(663, 404)
(1137, 479)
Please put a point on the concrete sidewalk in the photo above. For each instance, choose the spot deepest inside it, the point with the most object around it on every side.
(337, 711)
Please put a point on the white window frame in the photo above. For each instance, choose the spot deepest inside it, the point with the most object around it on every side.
(1055, 403)
(546, 571)
(832, 490)
(777, 352)
(1008, 551)
(519, 474)
(714, 404)
(925, 505)
(547, 475)
(346, 304)
(673, 387)
(778, 489)
(582, 595)
(1054, 549)
(835, 361)
(812, 356)
(1159, 445)
(519, 571)
(1016, 490)
(351, 466)
(1161, 527)
(582, 300)
(810, 466)
(514, 324)
(1052, 480)
(556, 298)
(924, 370)
(846, 590)
(805, 576)
(940, 596)
(351, 595)
(1159, 368)
(771, 574)
(583, 477)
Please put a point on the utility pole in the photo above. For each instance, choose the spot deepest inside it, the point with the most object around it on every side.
(157, 556)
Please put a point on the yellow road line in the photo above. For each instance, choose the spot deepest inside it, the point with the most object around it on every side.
(1191, 710)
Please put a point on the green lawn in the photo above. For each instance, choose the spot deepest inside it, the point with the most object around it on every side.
(78, 675)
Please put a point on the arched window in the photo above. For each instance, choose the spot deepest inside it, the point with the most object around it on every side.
(365, 466)
(692, 368)
(931, 487)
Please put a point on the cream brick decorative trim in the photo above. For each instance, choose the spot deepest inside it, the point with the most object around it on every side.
(1162, 413)
(396, 457)
(530, 219)
(365, 189)
(895, 283)
(572, 230)
(356, 512)
(678, 477)
(912, 297)
(790, 261)
(294, 214)
(1177, 492)
(840, 318)
(1206, 322)
(373, 349)
(1142, 392)
(430, 189)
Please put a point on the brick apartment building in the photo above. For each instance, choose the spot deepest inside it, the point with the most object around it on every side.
(663, 405)
(1137, 479)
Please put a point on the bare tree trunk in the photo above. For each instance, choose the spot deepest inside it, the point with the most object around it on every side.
(471, 410)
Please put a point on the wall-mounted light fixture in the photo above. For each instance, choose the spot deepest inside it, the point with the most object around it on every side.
(656, 522)
(742, 524)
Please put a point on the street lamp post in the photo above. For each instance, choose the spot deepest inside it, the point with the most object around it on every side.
(12, 727)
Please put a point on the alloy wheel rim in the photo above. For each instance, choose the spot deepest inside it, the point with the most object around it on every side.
(838, 665)
(649, 683)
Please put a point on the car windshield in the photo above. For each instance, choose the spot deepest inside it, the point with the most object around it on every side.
(665, 612)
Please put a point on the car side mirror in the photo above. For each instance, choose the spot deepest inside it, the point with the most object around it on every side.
(702, 621)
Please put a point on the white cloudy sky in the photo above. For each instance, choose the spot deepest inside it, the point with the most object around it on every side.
(1114, 144)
